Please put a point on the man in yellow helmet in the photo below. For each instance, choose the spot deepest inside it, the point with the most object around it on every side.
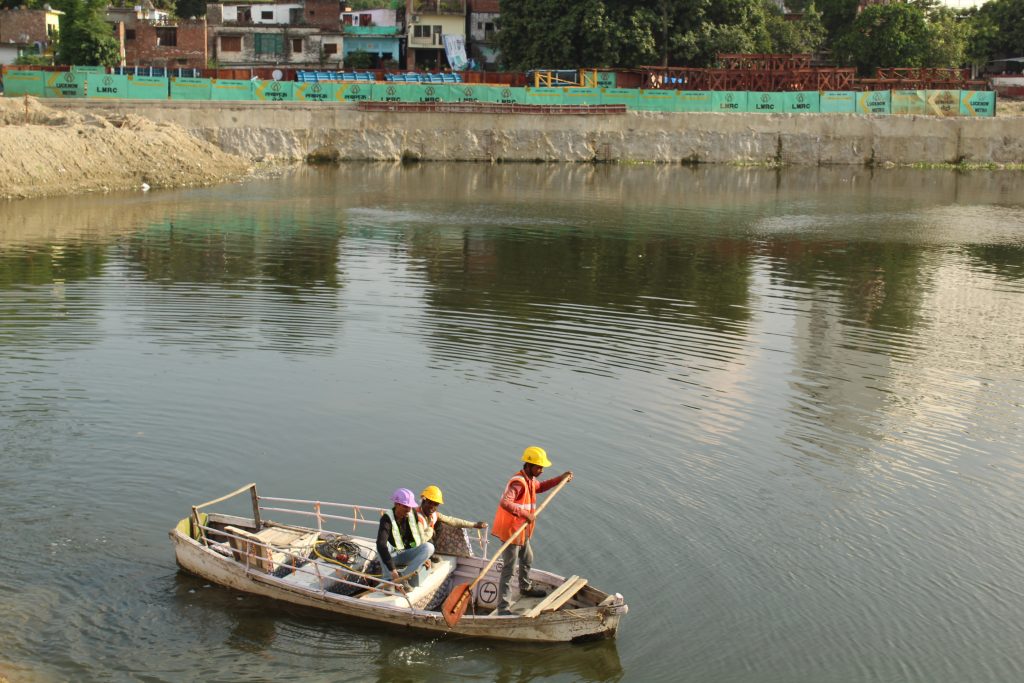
(429, 515)
(516, 509)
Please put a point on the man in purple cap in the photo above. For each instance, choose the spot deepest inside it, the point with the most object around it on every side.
(399, 530)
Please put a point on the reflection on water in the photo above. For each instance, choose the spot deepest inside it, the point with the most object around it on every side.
(798, 394)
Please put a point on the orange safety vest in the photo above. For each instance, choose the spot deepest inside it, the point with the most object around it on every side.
(505, 523)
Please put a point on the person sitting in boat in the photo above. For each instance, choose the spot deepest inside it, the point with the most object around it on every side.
(429, 515)
(399, 529)
(515, 510)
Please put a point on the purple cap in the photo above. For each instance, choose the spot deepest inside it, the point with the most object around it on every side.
(404, 497)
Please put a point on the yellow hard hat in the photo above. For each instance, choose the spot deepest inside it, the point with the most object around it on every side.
(433, 493)
(535, 455)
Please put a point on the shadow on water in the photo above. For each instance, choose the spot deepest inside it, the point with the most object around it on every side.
(341, 648)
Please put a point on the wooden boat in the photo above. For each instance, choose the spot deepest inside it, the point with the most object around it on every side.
(332, 571)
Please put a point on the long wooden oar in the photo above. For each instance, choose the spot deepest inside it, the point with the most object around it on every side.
(455, 604)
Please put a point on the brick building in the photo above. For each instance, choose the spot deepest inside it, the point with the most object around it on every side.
(28, 31)
(482, 33)
(170, 44)
(289, 34)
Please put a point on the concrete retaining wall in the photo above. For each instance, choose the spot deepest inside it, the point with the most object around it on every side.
(291, 131)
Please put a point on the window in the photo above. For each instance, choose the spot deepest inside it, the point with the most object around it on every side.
(167, 36)
(295, 15)
(437, 29)
(421, 31)
(129, 34)
(297, 46)
(269, 44)
(267, 14)
(330, 48)
(231, 43)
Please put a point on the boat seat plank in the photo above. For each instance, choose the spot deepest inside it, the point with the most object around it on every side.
(558, 597)
(248, 549)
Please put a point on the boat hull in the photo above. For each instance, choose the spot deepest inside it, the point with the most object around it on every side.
(566, 625)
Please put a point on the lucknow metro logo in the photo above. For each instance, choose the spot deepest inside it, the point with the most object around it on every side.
(430, 91)
(506, 94)
(765, 98)
(275, 87)
(728, 97)
(468, 92)
(354, 90)
(69, 77)
(391, 90)
(316, 88)
(800, 98)
(108, 81)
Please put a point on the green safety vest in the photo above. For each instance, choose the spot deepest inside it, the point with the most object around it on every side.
(396, 533)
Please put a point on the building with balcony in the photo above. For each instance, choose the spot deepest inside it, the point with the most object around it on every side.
(375, 32)
(427, 23)
(306, 34)
(28, 32)
(482, 32)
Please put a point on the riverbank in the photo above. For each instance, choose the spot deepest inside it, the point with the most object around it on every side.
(294, 131)
(46, 151)
(75, 146)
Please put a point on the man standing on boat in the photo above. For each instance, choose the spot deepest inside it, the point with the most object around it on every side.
(429, 515)
(516, 508)
(400, 529)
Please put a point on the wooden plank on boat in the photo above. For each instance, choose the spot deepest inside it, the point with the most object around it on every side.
(249, 551)
(558, 597)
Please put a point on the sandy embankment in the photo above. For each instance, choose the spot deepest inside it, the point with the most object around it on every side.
(48, 152)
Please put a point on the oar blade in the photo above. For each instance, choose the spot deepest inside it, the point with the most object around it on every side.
(455, 604)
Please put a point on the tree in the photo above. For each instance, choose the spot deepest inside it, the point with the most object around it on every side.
(186, 9)
(1006, 17)
(837, 16)
(802, 36)
(85, 36)
(893, 35)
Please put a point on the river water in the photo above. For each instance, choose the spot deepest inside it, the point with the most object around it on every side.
(792, 400)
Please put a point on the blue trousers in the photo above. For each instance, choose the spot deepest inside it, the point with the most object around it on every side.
(408, 561)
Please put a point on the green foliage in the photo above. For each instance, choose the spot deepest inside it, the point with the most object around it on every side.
(85, 36)
(34, 60)
(359, 60)
(802, 36)
(186, 9)
(886, 36)
(999, 29)
(837, 16)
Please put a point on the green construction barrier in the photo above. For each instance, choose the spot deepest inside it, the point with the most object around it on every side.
(874, 102)
(315, 92)
(582, 96)
(108, 86)
(225, 89)
(729, 101)
(64, 84)
(626, 96)
(803, 102)
(907, 102)
(191, 89)
(977, 103)
(430, 93)
(353, 92)
(942, 102)
(274, 91)
(506, 95)
(147, 88)
(18, 83)
(694, 100)
(838, 102)
(606, 79)
(89, 69)
(391, 92)
(467, 92)
(657, 100)
(547, 96)
(766, 102)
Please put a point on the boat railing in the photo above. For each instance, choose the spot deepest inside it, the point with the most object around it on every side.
(357, 514)
(247, 545)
